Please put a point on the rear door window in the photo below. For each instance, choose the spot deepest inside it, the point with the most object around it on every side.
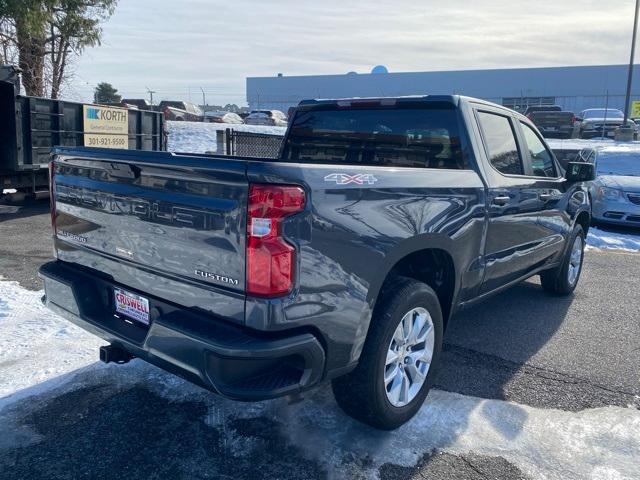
(422, 137)
(501, 143)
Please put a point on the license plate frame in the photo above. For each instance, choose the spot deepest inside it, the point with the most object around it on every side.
(131, 305)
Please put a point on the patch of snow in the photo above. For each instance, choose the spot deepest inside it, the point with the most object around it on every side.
(603, 239)
(578, 144)
(200, 137)
(35, 344)
(544, 443)
(601, 443)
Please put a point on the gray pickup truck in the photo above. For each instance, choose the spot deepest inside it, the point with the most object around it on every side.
(343, 260)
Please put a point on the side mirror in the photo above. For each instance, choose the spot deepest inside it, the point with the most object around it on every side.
(580, 172)
(579, 119)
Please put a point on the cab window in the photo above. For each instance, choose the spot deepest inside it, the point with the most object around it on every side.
(501, 143)
(542, 162)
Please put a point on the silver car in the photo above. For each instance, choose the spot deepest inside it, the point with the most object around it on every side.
(274, 118)
(615, 193)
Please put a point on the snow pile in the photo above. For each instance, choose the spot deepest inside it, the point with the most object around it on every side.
(604, 239)
(200, 137)
(35, 344)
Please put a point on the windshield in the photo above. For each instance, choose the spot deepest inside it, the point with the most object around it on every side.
(424, 137)
(601, 113)
(620, 163)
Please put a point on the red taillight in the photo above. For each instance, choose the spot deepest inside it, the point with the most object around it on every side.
(271, 261)
(52, 196)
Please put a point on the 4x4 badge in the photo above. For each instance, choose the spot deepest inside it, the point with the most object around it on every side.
(345, 178)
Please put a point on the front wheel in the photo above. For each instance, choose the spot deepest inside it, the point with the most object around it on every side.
(397, 365)
(564, 278)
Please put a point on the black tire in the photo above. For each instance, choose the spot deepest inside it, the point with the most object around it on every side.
(557, 280)
(362, 392)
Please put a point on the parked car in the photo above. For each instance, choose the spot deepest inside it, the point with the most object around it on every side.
(141, 103)
(266, 117)
(599, 122)
(222, 117)
(541, 108)
(554, 124)
(615, 193)
(343, 260)
(181, 111)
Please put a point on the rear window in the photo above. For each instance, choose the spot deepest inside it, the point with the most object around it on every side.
(398, 137)
(602, 113)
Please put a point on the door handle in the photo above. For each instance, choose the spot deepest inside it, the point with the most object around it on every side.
(545, 197)
(500, 200)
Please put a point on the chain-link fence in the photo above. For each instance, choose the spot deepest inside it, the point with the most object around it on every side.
(250, 144)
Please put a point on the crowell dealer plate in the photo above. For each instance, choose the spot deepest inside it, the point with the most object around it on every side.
(132, 305)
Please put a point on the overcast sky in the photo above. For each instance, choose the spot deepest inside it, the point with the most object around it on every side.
(178, 46)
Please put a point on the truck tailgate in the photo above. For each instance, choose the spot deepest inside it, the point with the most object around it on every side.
(552, 119)
(166, 225)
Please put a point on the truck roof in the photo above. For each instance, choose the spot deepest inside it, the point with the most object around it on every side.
(454, 100)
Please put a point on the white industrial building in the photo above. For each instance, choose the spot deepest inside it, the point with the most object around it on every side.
(573, 88)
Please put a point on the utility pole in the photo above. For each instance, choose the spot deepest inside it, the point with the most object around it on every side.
(606, 111)
(150, 92)
(633, 51)
(204, 99)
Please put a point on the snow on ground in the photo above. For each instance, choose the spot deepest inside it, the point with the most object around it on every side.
(35, 344)
(604, 443)
(613, 240)
(200, 137)
(579, 144)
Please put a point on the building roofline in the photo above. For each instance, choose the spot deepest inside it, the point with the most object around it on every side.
(475, 70)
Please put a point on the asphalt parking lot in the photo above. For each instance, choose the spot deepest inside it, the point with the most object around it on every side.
(553, 354)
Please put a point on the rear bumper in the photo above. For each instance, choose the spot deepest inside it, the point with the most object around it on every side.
(597, 132)
(559, 131)
(233, 361)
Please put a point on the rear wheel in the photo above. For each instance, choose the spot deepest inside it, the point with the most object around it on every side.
(564, 278)
(397, 365)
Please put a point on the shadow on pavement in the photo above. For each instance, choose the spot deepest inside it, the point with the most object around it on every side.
(27, 208)
(488, 346)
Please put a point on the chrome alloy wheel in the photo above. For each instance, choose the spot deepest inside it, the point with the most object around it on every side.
(575, 261)
(409, 357)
